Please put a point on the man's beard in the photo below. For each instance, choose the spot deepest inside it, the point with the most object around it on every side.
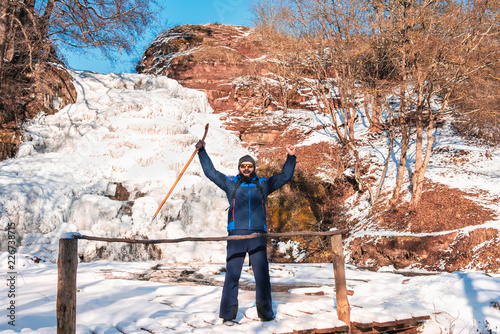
(247, 179)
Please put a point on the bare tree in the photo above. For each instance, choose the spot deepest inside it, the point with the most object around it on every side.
(31, 30)
(83, 23)
(436, 46)
(479, 99)
(30, 33)
(326, 40)
(425, 51)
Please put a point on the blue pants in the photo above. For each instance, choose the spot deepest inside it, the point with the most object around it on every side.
(236, 252)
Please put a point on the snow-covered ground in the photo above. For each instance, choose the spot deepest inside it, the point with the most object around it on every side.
(457, 302)
(139, 131)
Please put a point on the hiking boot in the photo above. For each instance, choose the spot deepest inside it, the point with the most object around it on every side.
(228, 322)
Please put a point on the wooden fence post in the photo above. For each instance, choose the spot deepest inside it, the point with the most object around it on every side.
(343, 308)
(67, 264)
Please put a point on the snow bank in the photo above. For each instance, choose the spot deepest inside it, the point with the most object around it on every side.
(456, 302)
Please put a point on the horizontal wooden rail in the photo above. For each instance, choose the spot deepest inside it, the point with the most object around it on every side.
(234, 237)
(68, 262)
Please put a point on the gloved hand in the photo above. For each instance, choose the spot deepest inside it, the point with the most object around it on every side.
(200, 145)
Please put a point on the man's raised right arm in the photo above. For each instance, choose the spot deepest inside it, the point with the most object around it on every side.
(208, 167)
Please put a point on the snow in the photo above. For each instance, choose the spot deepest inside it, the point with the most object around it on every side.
(139, 131)
(459, 302)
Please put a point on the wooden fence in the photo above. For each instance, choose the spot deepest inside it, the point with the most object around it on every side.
(68, 263)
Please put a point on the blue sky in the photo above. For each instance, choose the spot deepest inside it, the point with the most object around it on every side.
(175, 12)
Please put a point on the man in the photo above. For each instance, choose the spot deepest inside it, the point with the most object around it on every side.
(247, 195)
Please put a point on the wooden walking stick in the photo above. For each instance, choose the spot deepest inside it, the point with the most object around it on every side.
(180, 175)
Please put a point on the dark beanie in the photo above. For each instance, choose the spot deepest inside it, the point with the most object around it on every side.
(246, 158)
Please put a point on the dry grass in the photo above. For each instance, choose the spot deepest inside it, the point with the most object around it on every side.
(441, 209)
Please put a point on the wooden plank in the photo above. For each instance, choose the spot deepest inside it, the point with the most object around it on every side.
(304, 331)
(384, 320)
(396, 326)
(408, 321)
(330, 326)
(362, 325)
(384, 324)
(421, 318)
(340, 329)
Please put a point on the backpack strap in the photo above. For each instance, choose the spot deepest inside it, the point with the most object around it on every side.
(235, 188)
(257, 183)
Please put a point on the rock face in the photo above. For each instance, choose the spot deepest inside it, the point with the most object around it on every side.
(235, 68)
(22, 100)
(230, 64)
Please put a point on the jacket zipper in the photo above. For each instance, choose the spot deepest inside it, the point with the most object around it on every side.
(249, 209)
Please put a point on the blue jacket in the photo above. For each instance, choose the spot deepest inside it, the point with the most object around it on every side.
(248, 209)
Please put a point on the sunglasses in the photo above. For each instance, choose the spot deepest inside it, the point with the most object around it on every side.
(246, 166)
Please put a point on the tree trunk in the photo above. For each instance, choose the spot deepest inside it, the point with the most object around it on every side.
(418, 174)
(4, 5)
(419, 177)
(419, 185)
(350, 123)
(405, 140)
(331, 108)
(374, 118)
(44, 22)
(357, 174)
(386, 166)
